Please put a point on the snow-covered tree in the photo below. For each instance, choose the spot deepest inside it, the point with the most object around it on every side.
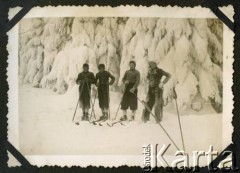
(31, 51)
(53, 50)
(189, 49)
(55, 36)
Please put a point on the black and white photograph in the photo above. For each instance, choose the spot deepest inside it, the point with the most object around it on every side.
(108, 85)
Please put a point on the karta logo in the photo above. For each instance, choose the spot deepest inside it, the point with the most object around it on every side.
(154, 158)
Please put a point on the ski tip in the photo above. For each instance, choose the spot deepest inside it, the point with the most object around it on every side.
(109, 125)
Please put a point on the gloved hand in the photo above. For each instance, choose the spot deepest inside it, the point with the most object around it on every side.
(161, 85)
(126, 82)
(132, 90)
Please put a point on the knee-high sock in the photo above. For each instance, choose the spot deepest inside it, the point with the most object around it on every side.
(86, 111)
(124, 112)
(106, 111)
(133, 113)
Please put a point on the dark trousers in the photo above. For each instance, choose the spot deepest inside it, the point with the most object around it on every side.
(103, 96)
(154, 99)
(129, 100)
(84, 96)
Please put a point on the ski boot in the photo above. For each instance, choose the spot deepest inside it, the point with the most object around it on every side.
(103, 118)
(123, 118)
(132, 118)
(85, 117)
(158, 120)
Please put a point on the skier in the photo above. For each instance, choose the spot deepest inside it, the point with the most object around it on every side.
(102, 82)
(85, 79)
(155, 91)
(131, 81)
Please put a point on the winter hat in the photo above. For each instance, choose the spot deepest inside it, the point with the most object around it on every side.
(152, 64)
(101, 66)
(86, 65)
(132, 62)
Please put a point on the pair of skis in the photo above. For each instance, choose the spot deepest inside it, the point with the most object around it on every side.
(92, 111)
(99, 122)
(117, 122)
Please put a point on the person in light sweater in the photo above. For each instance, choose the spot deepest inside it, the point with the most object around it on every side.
(131, 82)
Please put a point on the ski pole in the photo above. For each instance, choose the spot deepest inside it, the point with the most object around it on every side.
(120, 103)
(158, 122)
(179, 122)
(109, 115)
(77, 103)
(117, 111)
(75, 111)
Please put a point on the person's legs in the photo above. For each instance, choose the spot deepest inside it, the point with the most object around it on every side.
(106, 111)
(133, 103)
(88, 97)
(124, 115)
(105, 100)
(161, 102)
(125, 102)
(82, 105)
(86, 113)
(101, 99)
(86, 102)
(133, 100)
(81, 90)
(158, 106)
(148, 104)
(132, 117)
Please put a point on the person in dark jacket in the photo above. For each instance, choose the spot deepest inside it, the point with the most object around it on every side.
(131, 82)
(155, 92)
(85, 79)
(102, 83)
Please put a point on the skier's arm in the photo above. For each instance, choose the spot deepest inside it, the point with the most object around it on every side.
(79, 79)
(96, 79)
(124, 78)
(137, 81)
(167, 75)
(92, 78)
(148, 75)
(112, 79)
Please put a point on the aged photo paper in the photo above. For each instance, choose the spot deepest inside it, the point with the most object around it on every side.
(97, 85)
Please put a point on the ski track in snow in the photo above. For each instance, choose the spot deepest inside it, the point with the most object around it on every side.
(46, 128)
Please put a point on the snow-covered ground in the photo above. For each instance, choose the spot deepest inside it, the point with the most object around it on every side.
(46, 128)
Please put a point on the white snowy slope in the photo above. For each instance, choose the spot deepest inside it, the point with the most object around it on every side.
(46, 127)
